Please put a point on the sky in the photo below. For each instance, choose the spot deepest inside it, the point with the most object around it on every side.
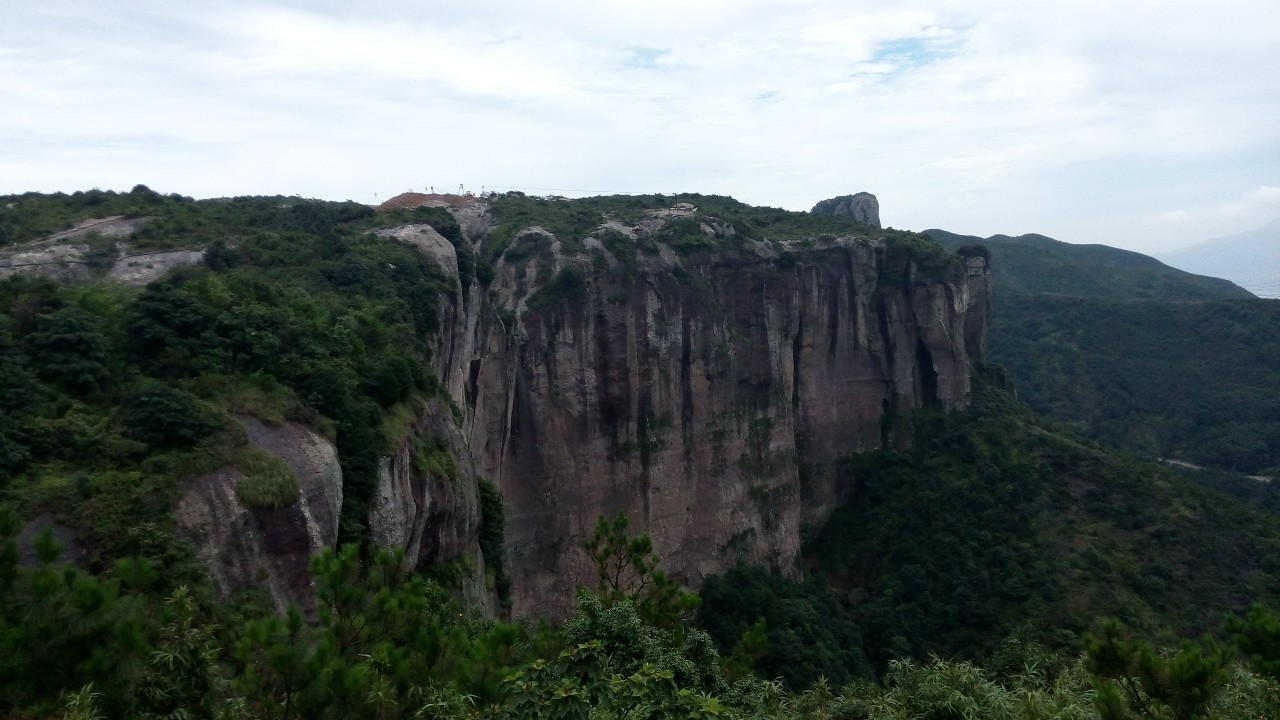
(1133, 123)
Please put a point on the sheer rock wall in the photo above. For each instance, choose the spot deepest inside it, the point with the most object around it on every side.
(707, 396)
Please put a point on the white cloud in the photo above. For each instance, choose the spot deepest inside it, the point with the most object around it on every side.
(1263, 195)
(1086, 120)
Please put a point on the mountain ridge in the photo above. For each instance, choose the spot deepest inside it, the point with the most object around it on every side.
(1135, 353)
(493, 378)
(1040, 264)
(1250, 258)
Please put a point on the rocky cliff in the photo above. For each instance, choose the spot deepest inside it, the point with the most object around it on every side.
(704, 390)
(699, 371)
(427, 504)
(862, 207)
(266, 549)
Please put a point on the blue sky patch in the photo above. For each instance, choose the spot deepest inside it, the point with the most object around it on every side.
(909, 52)
(646, 58)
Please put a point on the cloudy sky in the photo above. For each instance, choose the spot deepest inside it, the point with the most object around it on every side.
(1136, 123)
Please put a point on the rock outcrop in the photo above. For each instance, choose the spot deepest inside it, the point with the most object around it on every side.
(706, 395)
(426, 503)
(65, 538)
(863, 207)
(977, 288)
(705, 386)
(430, 242)
(141, 268)
(95, 249)
(270, 550)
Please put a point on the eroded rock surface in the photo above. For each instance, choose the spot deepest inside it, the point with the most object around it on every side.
(707, 396)
(429, 241)
(706, 393)
(79, 255)
(244, 547)
(142, 268)
(28, 556)
(863, 207)
(433, 516)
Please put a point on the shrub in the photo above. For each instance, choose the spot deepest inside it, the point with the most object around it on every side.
(267, 482)
(526, 246)
(165, 417)
(69, 349)
(433, 457)
(390, 378)
(569, 284)
(493, 523)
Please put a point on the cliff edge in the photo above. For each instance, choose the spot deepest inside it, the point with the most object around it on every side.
(702, 382)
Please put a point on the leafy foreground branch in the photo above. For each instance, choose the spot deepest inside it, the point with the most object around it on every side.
(381, 642)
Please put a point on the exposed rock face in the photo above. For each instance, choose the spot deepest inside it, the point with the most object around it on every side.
(977, 288)
(426, 239)
(705, 396)
(62, 262)
(433, 517)
(244, 547)
(137, 268)
(113, 227)
(863, 207)
(70, 257)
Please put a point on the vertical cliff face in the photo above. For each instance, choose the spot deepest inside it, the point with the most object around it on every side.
(426, 504)
(977, 318)
(705, 386)
(706, 395)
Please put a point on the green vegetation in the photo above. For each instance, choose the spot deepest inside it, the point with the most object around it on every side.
(266, 481)
(568, 285)
(493, 524)
(445, 224)
(997, 523)
(1037, 264)
(432, 457)
(1137, 354)
(627, 569)
(386, 643)
(1196, 381)
(163, 416)
(176, 221)
(732, 224)
(579, 217)
(808, 632)
(298, 314)
(957, 584)
(1134, 681)
(904, 248)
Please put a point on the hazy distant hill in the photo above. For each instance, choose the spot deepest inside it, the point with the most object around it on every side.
(1136, 353)
(1038, 264)
(1250, 259)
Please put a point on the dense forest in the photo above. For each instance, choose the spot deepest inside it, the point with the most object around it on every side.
(1004, 566)
(1137, 354)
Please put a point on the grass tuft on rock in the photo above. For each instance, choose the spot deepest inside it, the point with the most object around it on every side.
(267, 482)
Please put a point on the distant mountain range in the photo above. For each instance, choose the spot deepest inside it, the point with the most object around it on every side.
(1249, 259)
(1135, 353)
(1038, 264)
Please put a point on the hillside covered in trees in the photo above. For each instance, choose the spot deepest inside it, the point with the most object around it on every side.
(970, 572)
(1137, 354)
